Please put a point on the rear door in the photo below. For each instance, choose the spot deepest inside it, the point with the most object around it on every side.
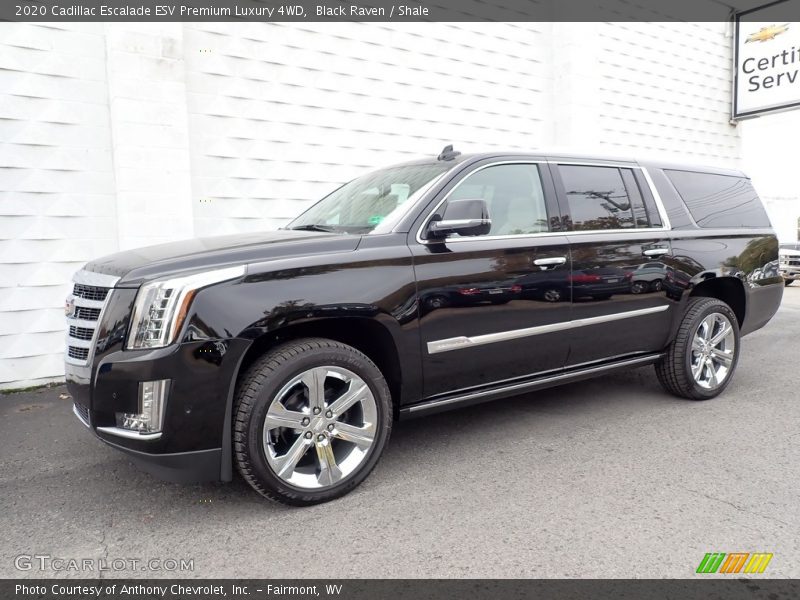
(620, 251)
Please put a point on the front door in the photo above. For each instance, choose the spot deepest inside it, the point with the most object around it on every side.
(618, 243)
(485, 300)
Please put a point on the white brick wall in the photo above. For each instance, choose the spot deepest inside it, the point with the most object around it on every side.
(114, 136)
(665, 89)
(280, 115)
(57, 188)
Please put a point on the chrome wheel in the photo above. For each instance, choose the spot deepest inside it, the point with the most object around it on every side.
(552, 295)
(320, 427)
(713, 351)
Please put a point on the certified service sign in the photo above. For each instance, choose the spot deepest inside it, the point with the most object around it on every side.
(767, 74)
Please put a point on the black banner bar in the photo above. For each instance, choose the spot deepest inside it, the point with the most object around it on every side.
(384, 10)
(401, 589)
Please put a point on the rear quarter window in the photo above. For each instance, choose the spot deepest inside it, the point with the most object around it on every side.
(719, 200)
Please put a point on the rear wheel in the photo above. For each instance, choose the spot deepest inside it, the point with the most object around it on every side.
(311, 420)
(700, 362)
(788, 281)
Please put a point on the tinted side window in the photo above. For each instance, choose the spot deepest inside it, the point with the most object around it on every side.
(513, 194)
(602, 198)
(719, 200)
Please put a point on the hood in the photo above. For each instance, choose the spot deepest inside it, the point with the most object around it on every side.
(151, 262)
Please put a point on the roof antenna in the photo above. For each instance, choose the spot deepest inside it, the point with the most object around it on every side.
(448, 153)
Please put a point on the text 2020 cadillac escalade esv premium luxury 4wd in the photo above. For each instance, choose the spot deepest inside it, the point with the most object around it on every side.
(419, 287)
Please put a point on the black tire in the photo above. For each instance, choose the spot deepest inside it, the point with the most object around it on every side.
(255, 393)
(657, 285)
(674, 369)
(639, 287)
(788, 282)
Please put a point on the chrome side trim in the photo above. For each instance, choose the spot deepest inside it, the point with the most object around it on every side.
(457, 343)
(80, 417)
(527, 385)
(131, 435)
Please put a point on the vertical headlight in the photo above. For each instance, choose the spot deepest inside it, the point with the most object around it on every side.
(162, 306)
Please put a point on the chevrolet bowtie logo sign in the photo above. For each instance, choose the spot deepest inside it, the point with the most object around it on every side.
(734, 562)
(767, 33)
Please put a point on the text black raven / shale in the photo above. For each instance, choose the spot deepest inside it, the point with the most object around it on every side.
(355, 10)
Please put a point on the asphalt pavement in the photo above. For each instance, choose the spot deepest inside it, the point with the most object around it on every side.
(604, 478)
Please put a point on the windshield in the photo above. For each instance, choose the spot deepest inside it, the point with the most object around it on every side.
(362, 204)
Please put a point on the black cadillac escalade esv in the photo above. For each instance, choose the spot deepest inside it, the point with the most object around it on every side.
(416, 288)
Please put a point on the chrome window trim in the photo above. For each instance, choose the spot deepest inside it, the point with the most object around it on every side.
(662, 211)
(459, 342)
(665, 222)
(613, 165)
(131, 435)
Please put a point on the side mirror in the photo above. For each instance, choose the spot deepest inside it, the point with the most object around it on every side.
(464, 217)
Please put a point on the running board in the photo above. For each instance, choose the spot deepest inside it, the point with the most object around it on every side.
(520, 387)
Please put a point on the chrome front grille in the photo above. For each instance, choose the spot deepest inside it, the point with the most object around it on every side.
(87, 314)
(84, 308)
(90, 292)
(79, 353)
(81, 333)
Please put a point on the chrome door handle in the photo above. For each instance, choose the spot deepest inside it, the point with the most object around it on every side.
(550, 262)
(656, 252)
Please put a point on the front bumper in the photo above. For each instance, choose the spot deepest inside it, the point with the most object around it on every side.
(195, 441)
(178, 467)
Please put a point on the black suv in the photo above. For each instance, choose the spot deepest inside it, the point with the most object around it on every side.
(416, 288)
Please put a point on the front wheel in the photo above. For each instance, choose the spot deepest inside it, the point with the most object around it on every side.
(311, 420)
(788, 282)
(700, 362)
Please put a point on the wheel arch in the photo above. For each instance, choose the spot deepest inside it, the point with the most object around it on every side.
(366, 335)
(729, 290)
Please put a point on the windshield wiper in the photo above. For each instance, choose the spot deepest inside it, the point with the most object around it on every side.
(314, 227)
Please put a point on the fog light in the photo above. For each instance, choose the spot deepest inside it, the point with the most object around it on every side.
(150, 418)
